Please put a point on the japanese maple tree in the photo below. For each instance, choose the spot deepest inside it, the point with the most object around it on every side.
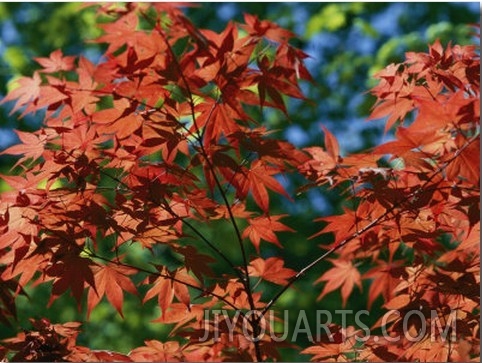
(159, 137)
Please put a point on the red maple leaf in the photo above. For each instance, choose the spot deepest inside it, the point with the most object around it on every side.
(466, 165)
(386, 276)
(264, 227)
(71, 272)
(256, 180)
(343, 275)
(265, 28)
(271, 270)
(345, 225)
(111, 281)
(166, 288)
(56, 62)
(32, 146)
(25, 92)
(155, 350)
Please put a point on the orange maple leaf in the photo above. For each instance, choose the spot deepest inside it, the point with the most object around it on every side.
(263, 228)
(56, 62)
(271, 270)
(344, 274)
(386, 277)
(32, 146)
(111, 281)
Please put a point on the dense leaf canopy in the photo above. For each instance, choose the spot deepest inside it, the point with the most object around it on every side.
(161, 174)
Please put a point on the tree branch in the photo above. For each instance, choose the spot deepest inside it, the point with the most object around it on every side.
(156, 273)
(372, 224)
(245, 280)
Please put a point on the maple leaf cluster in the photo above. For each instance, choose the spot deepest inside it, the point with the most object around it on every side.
(158, 138)
(140, 149)
(413, 216)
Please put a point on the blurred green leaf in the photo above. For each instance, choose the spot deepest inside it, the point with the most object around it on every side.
(16, 59)
(4, 13)
(331, 18)
(366, 28)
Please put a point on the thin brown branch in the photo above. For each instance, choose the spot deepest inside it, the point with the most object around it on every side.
(166, 276)
(184, 221)
(245, 280)
(372, 224)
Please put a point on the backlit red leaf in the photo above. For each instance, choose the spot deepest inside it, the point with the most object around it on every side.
(271, 270)
(342, 275)
(264, 227)
(111, 281)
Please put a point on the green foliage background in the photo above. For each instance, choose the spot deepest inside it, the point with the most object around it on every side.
(347, 43)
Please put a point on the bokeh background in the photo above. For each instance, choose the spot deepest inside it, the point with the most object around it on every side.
(347, 43)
